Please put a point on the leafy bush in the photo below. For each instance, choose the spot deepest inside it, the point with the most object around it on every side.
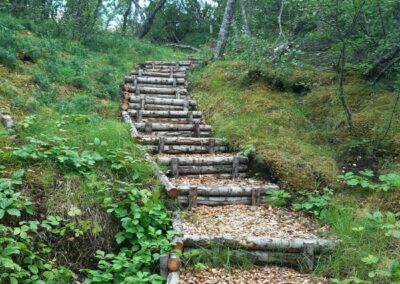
(277, 197)
(385, 183)
(314, 204)
(8, 58)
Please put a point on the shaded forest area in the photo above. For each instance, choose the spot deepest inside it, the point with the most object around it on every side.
(310, 90)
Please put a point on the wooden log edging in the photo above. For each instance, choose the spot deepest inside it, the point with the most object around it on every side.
(203, 161)
(259, 243)
(168, 186)
(225, 190)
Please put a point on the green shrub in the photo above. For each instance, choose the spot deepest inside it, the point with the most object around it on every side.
(7, 58)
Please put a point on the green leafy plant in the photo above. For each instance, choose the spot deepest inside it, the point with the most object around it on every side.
(386, 182)
(247, 151)
(315, 204)
(277, 197)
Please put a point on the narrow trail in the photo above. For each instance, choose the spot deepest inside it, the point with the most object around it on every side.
(221, 204)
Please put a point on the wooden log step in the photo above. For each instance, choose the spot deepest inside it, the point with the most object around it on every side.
(146, 73)
(266, 257)
(155, 80)
(183, 141)
(202, 161)
(167, 120)
(167, 96)
(259, 243)
(154, 107)
(172, 127)
(160, 101)
(154, 90)
(163, 68)
(225, 190)
(200, 170)
(186, 149)
(177, 133)
(218, 200)
(170, 63)
(166, 113)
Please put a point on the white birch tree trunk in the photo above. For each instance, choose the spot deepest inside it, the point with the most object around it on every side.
(224, 30)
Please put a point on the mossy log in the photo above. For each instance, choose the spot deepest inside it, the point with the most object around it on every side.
(259, 243)
(166, 113)
(203, 161)
(172, 127)
(225, 190)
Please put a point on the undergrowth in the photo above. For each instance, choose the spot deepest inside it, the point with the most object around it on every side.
(78, 203)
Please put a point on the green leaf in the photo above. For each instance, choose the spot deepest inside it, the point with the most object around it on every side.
(370, 259)
(14, 212)
(18, 174)
(33, 269)
(120, 238)
(13, 280)
(2, 212)
(352, 182)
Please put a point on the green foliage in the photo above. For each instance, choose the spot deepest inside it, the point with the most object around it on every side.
(7, 58)
(144, 236)
(386, 183)
(277, 197)
(315, 204)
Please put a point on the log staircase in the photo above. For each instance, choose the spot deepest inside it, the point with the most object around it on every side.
(199, 170)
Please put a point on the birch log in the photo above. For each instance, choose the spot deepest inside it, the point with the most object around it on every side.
(187, 149)
(216, 169)
(161, 101)
(226, 190)
(154, 90)
(155, 80)
(158, 74)
(260, 243)
(167, 113)
(200, 161)
(183, 141)
(173, 127)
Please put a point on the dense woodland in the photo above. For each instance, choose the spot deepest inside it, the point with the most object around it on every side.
(308, 90)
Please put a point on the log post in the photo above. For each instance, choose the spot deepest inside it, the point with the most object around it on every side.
(148, 127)
(235, 167)
(139, 115)
(161, 143)
(164, 265)
(309, 255)
(192, 198)
(255, 197)
(177, 94)
(211, 146)
(197, 129)
(190, 117)
(175, 167)
(142, 102)
(171, 72)
(185, 105)
(174, 83)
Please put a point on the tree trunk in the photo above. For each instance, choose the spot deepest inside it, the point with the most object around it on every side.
(282, 5)
(125, 16)
(149, 21)
(246, 27)
(224, 30)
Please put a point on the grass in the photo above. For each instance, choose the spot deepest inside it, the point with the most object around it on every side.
(271, 120)
(302, 140)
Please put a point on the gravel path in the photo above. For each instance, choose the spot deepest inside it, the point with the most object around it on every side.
(255, 275)
(244, 220)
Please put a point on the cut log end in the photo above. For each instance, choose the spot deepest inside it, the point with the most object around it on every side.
(174, 263)
(124, 106)
(172, 193)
